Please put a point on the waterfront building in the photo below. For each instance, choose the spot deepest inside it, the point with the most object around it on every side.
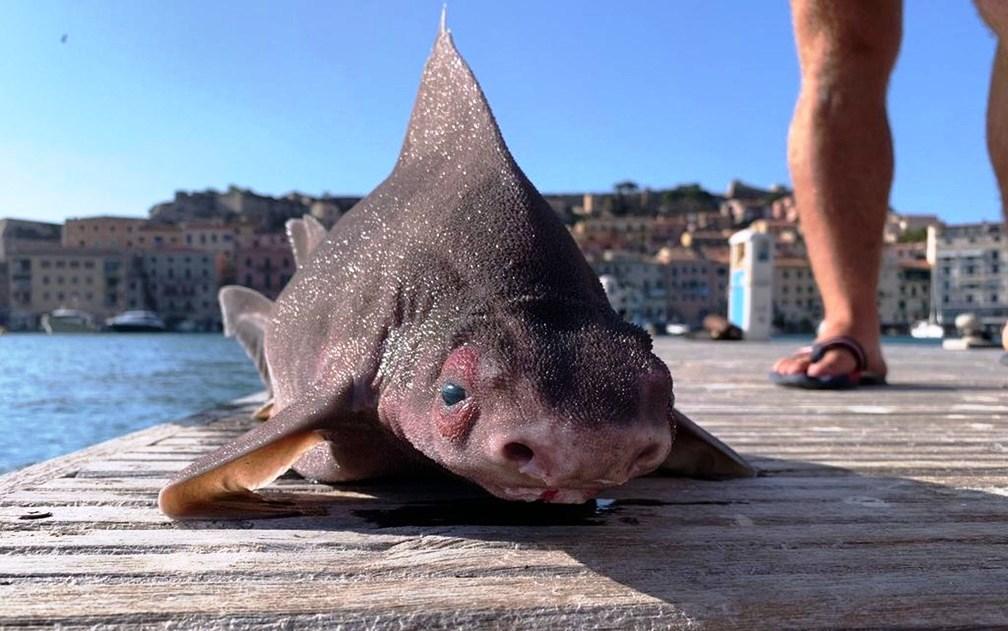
(745, 211)
(103, 233)
(705, 238)
(18, 235)
(154, 235)
(180, 284)
(914, 302)
(901, 226)
(639, 283)
(238, 204)
(788, 241)
(904, 289)
(797, 305)
(266, 267)
(969, 272)
(696, 281)
(677, 284)
(100, 282)
(209, 236)
(644, 235)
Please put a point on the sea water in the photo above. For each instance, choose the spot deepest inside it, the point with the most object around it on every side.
(60, 393)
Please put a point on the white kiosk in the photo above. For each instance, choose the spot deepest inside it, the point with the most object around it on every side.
(750, 288)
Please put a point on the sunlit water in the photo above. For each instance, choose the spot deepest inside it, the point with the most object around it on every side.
(63, 392)
(60, 393)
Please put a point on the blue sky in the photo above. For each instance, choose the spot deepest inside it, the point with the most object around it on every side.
(148, 97)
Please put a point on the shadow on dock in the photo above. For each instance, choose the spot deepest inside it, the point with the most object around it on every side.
(799, 535)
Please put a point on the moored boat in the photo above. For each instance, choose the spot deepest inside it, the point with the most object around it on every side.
(927, 330)
(136, 322)
(68, 321)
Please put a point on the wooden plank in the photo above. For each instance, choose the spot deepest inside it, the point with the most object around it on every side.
(881, 508)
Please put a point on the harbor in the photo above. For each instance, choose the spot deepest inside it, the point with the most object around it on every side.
(877, 507)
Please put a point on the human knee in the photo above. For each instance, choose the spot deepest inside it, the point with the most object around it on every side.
(847, 41)
(995, 14)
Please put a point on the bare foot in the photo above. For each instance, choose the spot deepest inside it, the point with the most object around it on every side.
(837, 361)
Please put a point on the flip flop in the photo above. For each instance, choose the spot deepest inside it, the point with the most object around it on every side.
(857, 377)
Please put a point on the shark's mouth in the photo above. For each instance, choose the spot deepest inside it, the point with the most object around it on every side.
(551, 495)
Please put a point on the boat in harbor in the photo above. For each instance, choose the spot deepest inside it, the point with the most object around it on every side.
(136, 322)
(68, 321)
(927, 330)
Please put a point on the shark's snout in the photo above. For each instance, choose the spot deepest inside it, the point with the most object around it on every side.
(545, 454)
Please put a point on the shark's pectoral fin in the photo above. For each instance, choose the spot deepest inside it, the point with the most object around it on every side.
(697, 454)
(305, 235)
(221, 485)
(246, 313)
(264, 412)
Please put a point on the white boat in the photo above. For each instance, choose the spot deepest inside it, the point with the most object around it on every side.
(677, 329)
(68, 321)
(927, 330)
(136, 322)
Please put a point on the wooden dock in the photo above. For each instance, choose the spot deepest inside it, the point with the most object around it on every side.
(876, 508)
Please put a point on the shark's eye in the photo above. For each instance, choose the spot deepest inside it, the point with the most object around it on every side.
(452, 393)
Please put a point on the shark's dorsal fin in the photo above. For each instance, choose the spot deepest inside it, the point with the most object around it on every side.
(246, 313)
(305, 235)
(451, 117)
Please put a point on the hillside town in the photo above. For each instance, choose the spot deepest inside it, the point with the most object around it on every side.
(663, 257)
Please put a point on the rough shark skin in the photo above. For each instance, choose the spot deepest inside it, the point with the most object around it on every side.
(453, 275)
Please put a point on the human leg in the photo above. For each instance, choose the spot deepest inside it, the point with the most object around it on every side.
(840, 155)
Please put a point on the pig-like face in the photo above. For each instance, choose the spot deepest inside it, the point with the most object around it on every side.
(554, 411)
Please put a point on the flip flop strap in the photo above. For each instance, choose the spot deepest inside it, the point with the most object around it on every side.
(840, 342)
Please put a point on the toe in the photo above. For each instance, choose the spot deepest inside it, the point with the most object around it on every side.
(792, 365)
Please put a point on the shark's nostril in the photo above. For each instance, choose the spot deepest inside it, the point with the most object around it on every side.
(518, 453)
(648, 457)
(647, 453)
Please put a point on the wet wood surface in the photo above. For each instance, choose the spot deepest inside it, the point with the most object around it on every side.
(875, 508)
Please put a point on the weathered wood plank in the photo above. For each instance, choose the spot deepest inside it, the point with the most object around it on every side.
(877, 508)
